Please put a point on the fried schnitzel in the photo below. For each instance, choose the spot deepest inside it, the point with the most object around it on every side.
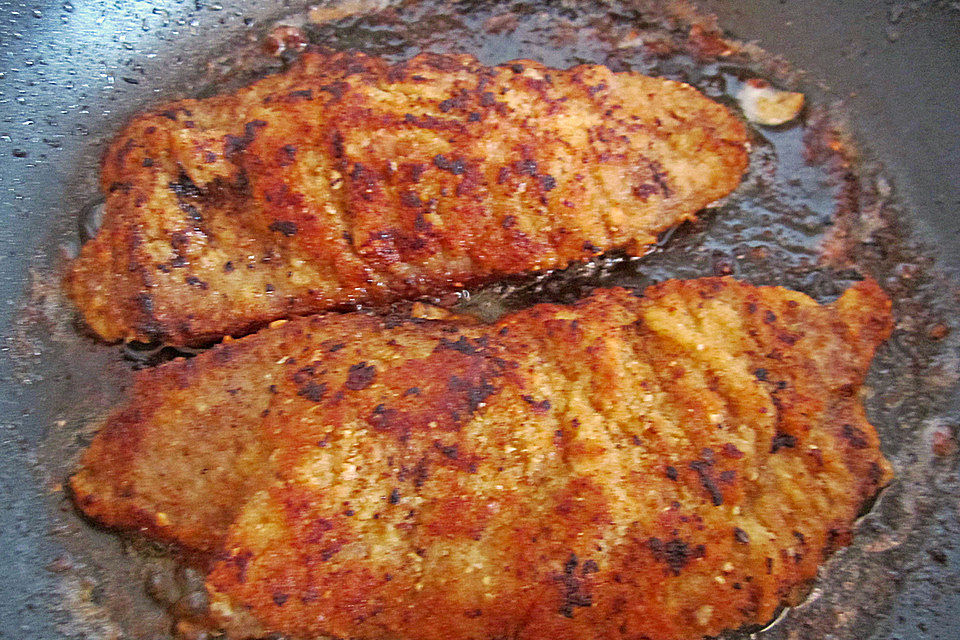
(664, 467)
(348, 180)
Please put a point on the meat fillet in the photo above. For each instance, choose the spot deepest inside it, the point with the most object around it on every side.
(663, 467)
(349, 180)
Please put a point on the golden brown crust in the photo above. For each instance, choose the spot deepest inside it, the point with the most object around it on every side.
(661, 468)
(346, 180)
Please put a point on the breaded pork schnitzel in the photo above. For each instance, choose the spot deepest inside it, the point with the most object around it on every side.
(663, 467)
(349, 180)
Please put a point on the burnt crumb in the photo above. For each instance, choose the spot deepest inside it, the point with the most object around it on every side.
(456, 166)
(836, 538)
(147, 162)
(300, 94)
(462, 345)
(228, 266)
(526, 167)
(782, 440)
(635, 439)
(286, 227)
(280, 598)
(304, 374)
(760, 374)
(241, 560)
(787, 338)
(209, 157)
(573, 594)
(590, 247)
(420, 225)
(313, 391)
(547, 182)
(192, 212)
(269, 288)
(382, 417)
(672, 473)
(473, 613)
(421, 473)
(856, 437)
(676, 553)
(476, 394)
(336, 142)
(410, 199)
(451, 451)
(336, 346)
(394, 497)
(349, 512)
(360, 376)
(516, 68)
(184, 187)
(474, 117)
(590, 566)
(660, 177)
(330, 551)
(702, 468)
(194, 281)
(769, 317)
(538, 406)
(596, 88)
(487, 99)
(740, 535)
(234, 145)
(508, 222)
(412, 391)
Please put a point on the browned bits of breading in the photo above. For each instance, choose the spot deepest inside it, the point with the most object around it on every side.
(614, 468)
(347, 179)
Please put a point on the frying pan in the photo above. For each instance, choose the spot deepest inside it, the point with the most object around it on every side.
(72, 71)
